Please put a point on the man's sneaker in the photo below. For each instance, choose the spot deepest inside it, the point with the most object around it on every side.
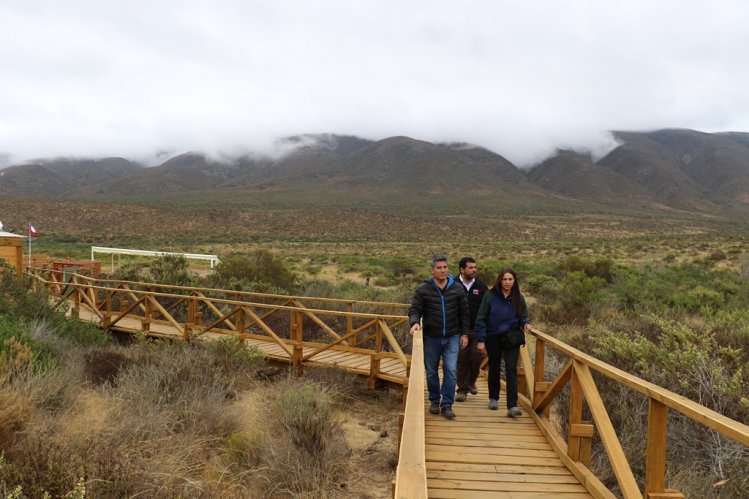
(493, 404)
(514, 412)
(473, 390)
(434, 408)
(460, 397)
(447, 411)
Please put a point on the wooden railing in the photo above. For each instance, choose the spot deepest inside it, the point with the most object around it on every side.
(576, 451)
(411, 474)
(289, 321)
(286, 319)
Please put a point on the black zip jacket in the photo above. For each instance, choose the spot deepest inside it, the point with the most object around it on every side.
(474, 296)
(444, 312)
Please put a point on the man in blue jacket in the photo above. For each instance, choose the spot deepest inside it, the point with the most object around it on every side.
(440, 304)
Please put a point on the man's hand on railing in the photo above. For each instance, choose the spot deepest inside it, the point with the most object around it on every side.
(415, 328)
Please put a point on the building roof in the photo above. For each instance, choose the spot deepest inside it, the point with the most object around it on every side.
(10, 234)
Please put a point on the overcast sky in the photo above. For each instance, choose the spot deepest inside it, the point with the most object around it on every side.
(141, 78)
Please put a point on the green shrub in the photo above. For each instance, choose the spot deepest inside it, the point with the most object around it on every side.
(170, 269)
(259, 271)
(541, 284)
(602, 268)
(700, 297)
(306, 413)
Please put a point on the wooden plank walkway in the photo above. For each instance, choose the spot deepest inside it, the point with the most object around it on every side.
(479, 454)
(483, 453)
(359, 363)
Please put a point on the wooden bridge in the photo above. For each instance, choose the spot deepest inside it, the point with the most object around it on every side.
(481, 453)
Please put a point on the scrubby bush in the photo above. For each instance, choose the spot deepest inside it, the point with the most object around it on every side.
(258, 271)
(692, 363)
(541, 284)
(602, 268)
(171, 269)
(309, 453)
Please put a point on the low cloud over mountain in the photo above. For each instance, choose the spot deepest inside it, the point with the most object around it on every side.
(669, 169)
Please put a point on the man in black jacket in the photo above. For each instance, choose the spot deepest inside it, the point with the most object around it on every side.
(469, 359)
(440, 303)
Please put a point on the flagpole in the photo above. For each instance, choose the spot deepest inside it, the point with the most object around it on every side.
(29, 236)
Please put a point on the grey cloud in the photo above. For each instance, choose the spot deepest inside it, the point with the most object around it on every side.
(114, 78)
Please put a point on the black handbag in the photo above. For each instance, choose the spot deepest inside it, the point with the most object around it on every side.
(514, 338)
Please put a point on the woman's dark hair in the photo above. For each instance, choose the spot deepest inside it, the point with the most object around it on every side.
(514, 292)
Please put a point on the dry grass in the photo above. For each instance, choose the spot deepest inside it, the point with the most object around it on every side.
(159, 420)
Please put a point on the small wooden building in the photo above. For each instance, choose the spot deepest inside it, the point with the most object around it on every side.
(11, 250)
(84, 267)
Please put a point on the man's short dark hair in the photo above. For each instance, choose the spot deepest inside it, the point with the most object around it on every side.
(438, 258)
(465, 261)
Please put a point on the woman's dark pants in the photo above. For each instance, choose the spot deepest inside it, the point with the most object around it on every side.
(510, 355)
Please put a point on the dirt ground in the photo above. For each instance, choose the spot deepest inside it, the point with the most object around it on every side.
(370, 426)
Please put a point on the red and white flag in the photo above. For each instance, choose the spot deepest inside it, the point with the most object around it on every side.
(33, 231)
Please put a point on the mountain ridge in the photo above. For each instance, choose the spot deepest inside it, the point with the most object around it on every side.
(678, 169)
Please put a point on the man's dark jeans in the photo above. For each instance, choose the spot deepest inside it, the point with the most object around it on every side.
(447, 350)
(469, 362)
(510, 355)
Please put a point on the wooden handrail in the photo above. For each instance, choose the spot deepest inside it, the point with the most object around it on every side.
(243, 293)
(578, 372)
(363, 315)
(411, 474)
(725, 426)
(238, 315)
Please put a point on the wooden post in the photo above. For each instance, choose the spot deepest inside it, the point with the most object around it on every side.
(197, 318)
(350, 323)
(584, 431)
(655, 464)
(241, 320)
(297, 359)
(147, 315)
(575, 417)
(374, 365)
(77, 303)
(541, 386)
(297, 335)
(109, 296)
(124, 302)
(186, 334)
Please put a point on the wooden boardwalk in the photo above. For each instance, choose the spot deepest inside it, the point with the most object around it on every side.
(483, 453)
(355, 362)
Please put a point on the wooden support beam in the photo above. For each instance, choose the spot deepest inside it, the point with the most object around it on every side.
(374, 364)
(382, 325)
(297, 358)
(655, 463)
(617, 458)
(667, 494)
(270, 331)
(556, 387)
(526, 383)
(575, 417)
(350, 322)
